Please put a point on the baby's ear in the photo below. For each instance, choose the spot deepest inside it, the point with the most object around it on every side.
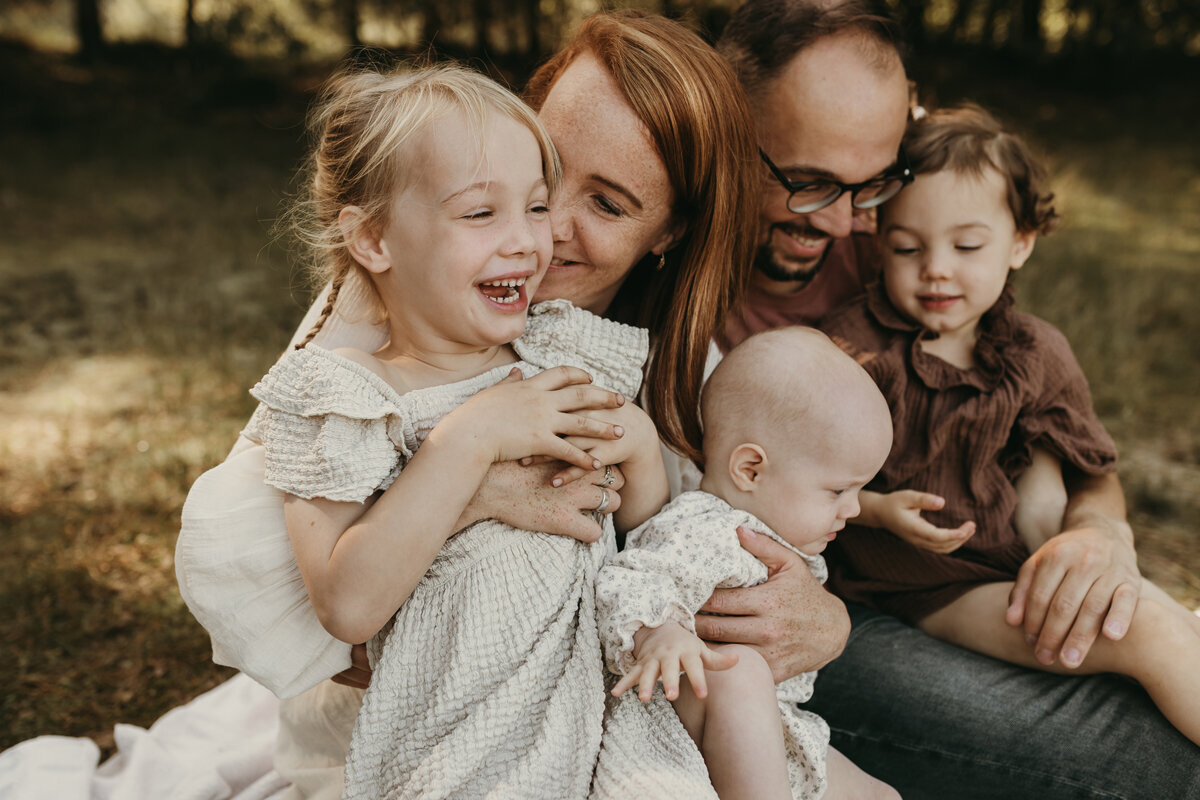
(1023, 248)
(365, 246)
(747, 462)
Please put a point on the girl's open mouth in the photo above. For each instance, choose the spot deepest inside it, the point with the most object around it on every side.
(505, 292)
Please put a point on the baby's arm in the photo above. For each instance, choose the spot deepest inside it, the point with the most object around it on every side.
(1041, 500)
(900, 513)
(361, 563)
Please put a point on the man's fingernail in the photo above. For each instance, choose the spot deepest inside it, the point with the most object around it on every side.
(1045, 656)
(1071, 657)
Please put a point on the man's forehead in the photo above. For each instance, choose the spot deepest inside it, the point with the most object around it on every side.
(839, 107)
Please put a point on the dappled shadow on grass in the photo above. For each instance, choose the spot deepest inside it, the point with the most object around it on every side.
(95, 635)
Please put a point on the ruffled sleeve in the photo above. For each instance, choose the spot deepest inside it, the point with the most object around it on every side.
(669, 568)
(1061, 418)
(331, 427)
(559, 334)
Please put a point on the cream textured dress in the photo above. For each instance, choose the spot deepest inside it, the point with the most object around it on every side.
(489, 682)
(668, 569)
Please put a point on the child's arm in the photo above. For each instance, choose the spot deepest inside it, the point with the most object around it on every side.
(665, 652)
(361, 563)
(638, 452)
(1041, 500)
(900, 513)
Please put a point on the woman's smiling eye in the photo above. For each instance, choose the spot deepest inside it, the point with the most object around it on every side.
(539, 208)
(606, 206)
(478, 213)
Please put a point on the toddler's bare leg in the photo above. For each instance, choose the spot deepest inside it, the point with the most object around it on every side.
(738, 729)
(847, 781)
(1160, 650)
(1041, 500)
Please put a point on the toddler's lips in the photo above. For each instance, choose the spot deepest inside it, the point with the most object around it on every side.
(937, 302)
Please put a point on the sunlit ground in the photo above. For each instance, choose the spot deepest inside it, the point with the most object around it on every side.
(142, 297)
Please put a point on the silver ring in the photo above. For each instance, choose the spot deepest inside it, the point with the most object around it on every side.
(600, 509)
(609, 479)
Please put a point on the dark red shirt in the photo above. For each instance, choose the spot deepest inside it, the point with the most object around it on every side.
(965, 435)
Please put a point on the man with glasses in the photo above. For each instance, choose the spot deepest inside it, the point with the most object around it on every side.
(828, 87)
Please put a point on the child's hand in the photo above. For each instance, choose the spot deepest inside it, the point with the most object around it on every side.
(665, 651)
(517, 418)
(900, 513)
(638, 443)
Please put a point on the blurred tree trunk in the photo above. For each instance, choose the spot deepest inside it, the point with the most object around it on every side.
(351, 19)
(1029, 38)
(433, 22)
(87, 29)
(191, 31)
(482, 11)
(532, 9)
(956, 31)
(912, 18)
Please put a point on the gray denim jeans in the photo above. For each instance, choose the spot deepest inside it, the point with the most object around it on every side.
(938, 721)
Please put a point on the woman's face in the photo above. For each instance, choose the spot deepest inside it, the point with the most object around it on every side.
(615, 203)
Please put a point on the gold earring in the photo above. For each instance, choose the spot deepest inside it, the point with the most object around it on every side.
(662, 260)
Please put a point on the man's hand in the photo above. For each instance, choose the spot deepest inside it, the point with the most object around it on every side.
(791, 620)
(1081, 582)
(358, 674)
(900, 513)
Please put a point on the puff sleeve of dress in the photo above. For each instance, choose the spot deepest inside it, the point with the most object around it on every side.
(326, 427)
(1061, 417)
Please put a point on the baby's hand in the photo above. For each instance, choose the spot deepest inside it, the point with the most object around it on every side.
(517, 418)
(900, 513)
(638, 442)
(666, 651)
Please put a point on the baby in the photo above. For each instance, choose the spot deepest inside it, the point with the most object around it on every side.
(793, 430)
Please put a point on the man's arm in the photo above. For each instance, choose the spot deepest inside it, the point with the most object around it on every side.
(791, 620)
(1083, 581)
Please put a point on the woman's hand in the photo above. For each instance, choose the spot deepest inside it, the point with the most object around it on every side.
(900, 513)
(664, 652)
(516, 418)
(524, 498)
(791, 620)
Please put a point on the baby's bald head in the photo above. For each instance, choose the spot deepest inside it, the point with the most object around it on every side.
(791, 390)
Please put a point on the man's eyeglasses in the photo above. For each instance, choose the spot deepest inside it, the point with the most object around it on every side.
(805, 197)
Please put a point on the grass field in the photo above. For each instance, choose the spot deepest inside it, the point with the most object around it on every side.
(142, 296)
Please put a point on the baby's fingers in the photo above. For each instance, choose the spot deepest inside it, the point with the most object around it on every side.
(562, 450)
(693, 667)
(947, 540)
(627, 680)
(670, 677)
(717, 660)
(648, 678)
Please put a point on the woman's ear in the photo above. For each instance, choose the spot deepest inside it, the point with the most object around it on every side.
(747, 462)
(365, 247)
(671, 236)
(1023, 248)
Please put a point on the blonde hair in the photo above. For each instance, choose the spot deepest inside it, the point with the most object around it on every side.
(363, 124)
(700, 123)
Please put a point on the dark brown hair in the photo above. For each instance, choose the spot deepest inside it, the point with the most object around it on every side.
(763, 36)
(968, 139)
(700, 123)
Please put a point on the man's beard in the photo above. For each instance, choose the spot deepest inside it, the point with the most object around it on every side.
(764, 262)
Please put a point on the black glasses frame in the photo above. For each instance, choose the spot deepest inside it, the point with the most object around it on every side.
(901, 171)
